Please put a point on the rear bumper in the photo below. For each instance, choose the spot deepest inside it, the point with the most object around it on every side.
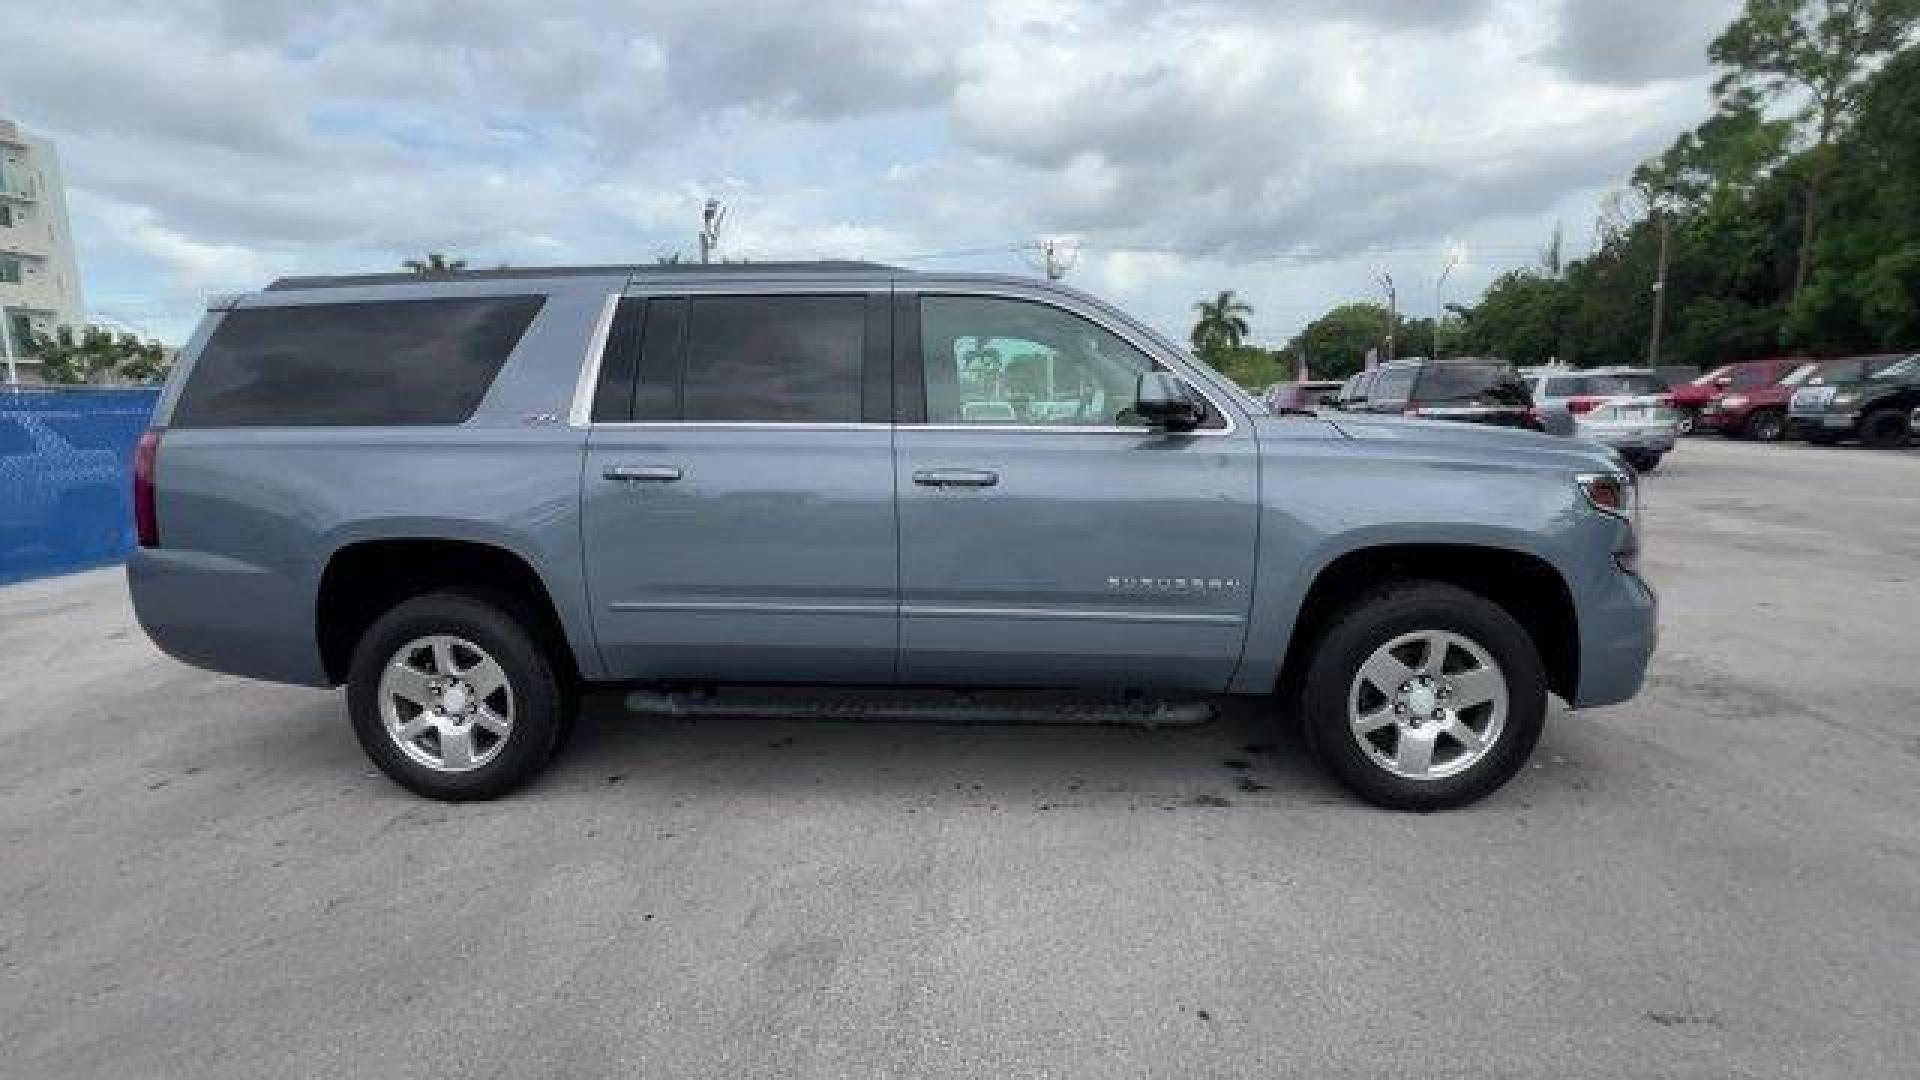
(225, 615)
(1619, 630)
(1649, 440)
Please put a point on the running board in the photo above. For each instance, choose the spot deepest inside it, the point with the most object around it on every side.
(927, 706)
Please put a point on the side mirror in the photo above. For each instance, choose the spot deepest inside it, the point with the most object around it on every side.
(1163, 402)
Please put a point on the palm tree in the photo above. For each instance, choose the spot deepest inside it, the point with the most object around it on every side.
(435, 265)
(1222, 326)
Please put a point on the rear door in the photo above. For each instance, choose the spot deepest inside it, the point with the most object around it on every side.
(738, 489)
(1047, 537)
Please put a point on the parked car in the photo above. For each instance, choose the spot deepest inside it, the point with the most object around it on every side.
(1466, 390)
(1758, 412)
(466, 498)
(1689, 399)
(1561, 394)
(1642, 431)
(1869, 398)
(1312, 394)
(1352, 396)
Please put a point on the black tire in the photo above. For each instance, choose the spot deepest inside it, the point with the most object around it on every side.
(1765, 425)
(1884, 429)
(1375, 619)
(538, 696)
(1645, 463)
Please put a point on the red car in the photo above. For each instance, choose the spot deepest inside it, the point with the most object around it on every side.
(1757, 412)
(1691, 399)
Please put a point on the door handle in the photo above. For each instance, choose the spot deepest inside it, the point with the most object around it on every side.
(654, 474)
(956, 478)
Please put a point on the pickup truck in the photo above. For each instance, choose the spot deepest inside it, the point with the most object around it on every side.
(467, 498)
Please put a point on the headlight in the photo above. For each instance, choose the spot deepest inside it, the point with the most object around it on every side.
(1617, 494)
(1845, 397)
(1737, 401)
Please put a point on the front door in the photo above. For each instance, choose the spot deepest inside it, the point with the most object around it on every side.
(738, 503)
(1047, 537)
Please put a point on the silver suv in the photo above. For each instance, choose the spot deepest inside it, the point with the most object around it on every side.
(469, 498)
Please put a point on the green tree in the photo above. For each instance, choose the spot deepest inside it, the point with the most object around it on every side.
(1221, 327)
(435, 264)
(1819, 54)
(1336, 344)
(98, 355)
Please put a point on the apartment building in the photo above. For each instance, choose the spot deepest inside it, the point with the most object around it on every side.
(39, 280)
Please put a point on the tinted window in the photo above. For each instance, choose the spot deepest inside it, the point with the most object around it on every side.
(774, 359)
(1390, 388)
(1748, 376)
(992, 360)
(613, 398)
(1565, 386)
(1491, 384)
(656, 395)
(1631, 383)
(390, 362)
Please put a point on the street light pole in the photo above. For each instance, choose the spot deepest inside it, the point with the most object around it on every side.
(1393, 312)
(1440, 308)
(1659, 284)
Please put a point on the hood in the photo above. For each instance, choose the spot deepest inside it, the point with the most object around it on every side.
(1478, 443)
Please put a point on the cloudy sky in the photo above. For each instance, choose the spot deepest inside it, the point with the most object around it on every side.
(1290, 149)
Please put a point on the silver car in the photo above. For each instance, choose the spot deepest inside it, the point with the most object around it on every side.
(1624, 408)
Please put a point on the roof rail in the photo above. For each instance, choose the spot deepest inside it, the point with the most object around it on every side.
(823, 267)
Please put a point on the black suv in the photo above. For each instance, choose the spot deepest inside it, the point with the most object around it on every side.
(1471, 390)
(1869, 398)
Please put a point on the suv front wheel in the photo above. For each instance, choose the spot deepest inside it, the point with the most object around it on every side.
(1423, 696)
(453, 699)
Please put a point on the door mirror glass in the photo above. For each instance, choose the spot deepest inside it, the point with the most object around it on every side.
(1163, 402)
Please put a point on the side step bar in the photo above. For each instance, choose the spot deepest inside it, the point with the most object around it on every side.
(927, 706)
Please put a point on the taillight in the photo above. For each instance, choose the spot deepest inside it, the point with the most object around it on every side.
(146, 526)
(1581, 405)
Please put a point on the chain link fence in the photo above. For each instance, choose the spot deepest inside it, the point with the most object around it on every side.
(66, 465)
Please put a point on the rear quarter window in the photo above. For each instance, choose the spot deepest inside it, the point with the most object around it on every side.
(389, 362)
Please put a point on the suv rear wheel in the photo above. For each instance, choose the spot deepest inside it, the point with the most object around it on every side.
(453, 698)
(1423, 696)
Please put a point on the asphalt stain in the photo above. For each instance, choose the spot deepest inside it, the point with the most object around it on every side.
(1248, 783)
(1209, 799)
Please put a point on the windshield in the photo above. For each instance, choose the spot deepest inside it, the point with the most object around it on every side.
(1493, 383)
(1799, 375)
(1856, 368)
(1901, 369)
(1709, 377)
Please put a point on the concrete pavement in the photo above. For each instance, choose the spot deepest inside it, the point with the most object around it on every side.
(202, 877)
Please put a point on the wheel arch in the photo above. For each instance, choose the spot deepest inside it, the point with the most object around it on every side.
(365, 578)
(1524, 584)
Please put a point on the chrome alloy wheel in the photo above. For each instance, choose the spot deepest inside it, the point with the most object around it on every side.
(1428, 705)
(446, 703)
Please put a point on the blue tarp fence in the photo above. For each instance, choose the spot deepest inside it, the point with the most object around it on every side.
(66, 477)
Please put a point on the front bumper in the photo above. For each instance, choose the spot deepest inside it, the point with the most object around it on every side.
(1826, 423)
(1619, 629)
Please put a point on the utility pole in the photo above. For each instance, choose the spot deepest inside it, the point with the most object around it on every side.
(1393, 312)
(1659, 284)
(1439, 307)
(710, 218)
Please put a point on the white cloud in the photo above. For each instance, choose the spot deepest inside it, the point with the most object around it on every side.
(1284, 147)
